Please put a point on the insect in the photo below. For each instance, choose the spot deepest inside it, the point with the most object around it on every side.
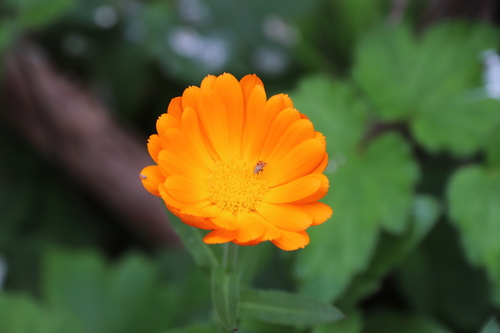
(142, 177)
(259, 167)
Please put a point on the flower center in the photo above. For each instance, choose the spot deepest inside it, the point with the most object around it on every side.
(237, 185)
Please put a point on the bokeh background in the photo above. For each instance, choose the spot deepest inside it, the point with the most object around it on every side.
(406, 92)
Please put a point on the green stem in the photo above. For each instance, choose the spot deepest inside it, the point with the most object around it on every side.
(230, 259)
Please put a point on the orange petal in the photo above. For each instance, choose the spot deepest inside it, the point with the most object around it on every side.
(279, 127)
(173, 204)
(287, 100)
(197, 222)
(173, 140)
(306, 187)
(199, 140)
(319, 211)
(213, 118)
(248, 83)
(290, 241)
(250, 228)
(171, 163)
(284, 216)
(175, 108)
(300, 161)
(165, 122)
(296, 133)
(151, 178)
(226, 220)
(322, 165)
(263, 120)
(185, 189)
(208, 81)
(219, 236)
(255, 103)
(229, 91)
(154, 147)
(190, 97)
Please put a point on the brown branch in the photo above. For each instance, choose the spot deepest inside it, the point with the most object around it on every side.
(66, 123)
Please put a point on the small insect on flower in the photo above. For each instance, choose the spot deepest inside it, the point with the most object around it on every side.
(259, 167)
(142, 177)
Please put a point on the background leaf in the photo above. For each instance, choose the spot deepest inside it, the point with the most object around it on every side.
(283, 308)
(372, 191)
(477, 216)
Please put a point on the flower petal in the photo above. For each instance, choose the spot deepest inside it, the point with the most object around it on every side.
(290, 241)
(298, 132)
(154, 147)
(198, 139)
(298, 189)
(208, 81)
(185, 189)
(248, 83)
(226, 220)
(167, 121)
(175, 108)
(300, 161)
(213, 118)
(151, 178)
(229, 91)
(284, 216)
(219, 236)
(250, 228)
(319, 211)
(190, 97)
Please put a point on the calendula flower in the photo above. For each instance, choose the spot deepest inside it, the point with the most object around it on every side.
(245, 167)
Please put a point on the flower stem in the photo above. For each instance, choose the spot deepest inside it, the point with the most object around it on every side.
(230, 258)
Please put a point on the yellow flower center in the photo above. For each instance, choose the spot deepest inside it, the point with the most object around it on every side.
(237, 185)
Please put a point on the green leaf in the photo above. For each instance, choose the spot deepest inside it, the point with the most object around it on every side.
(21, 314)
(386, 321)
(204, 254)
(279, 307)
(491, 327)
(35, 13)
(474, 207)
(439, 93)
(124, 298)
(226, 296)
(437, 274)
(394, 249)
(371, 191)
(192, 329)
(493, 149)
(335, 110)
(352, 324)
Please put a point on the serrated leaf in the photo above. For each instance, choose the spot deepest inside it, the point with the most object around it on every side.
(437, 274)
(226, 296)
(438, 92)
(335, 110)
(279, 307)
(474, 206)
(203, 254)
(370, 192)
(393, 249)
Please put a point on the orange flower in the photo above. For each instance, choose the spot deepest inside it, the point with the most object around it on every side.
(245, 167)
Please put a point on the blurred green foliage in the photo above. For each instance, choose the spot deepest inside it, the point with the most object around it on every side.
(412, 134)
